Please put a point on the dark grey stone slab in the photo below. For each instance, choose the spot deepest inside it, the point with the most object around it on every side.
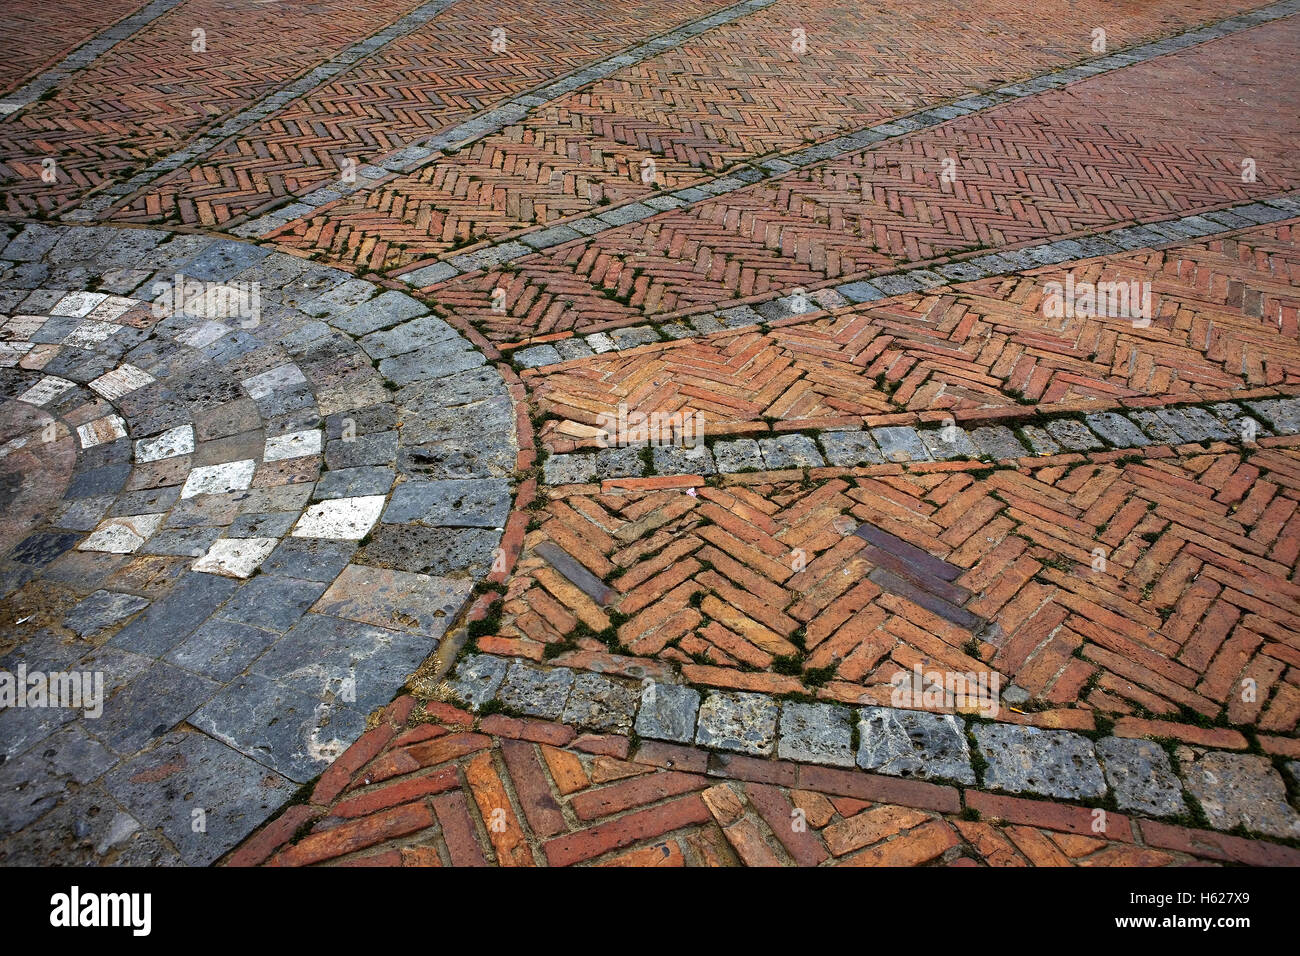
(221, 649)
(1141, 776)
(816, 733)
(272, 601)
(87, 829)
(913, 743)
(149, 706)
(742, 722)
(323, 655)
(441, 551)
(452, 503)
(101, 610)
(173, 618)
(294, 733)
(354, 482)
(667, 712)
(1051, 763)
(311, 559)
(384, 310)
(204, 796)
(37, 780)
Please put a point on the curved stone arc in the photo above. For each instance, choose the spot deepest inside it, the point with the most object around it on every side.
(286, 481)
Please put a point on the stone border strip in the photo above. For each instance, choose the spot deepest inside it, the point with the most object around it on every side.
(756, 171)
(1115, 240)
(84, 55)
(91, 209)
(1017, 758)
(484, 123)
(1064, 433)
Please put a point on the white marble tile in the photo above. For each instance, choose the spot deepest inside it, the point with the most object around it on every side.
(112, 308)
(11, 353)
(45, 391)
(122, 535)
(123, 380)
(283, 376)
(89, 334)
(236, 557)
(205, 333)
(170, 444)
(294, 445)
(342, 518)
(23, 326)
(219, 479)
(78, 304)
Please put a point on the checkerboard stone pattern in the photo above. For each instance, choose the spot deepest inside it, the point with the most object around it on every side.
(232, 513)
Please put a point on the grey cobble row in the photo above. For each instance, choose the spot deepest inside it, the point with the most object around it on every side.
(1220, 421)
(1234, 789)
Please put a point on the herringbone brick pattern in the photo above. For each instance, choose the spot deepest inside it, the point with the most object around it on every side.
(732, 94)
(1072, 160)
(153, 92)
(1123, 586)
(33, 38)
(1224, 317)
(430, 79)
(447, 790)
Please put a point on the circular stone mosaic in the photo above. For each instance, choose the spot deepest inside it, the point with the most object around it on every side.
(250, 493)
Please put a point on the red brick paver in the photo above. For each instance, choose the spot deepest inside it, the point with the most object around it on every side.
(1224, 317)
(153, 92)
(731, 95)
(1071, 160)
(438, 75)
(519, 800)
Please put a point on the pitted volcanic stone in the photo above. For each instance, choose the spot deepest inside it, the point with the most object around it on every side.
(601, 704)
(1051, 763)
(667, 712)
(850, 449)
(535, 691)
(1239, 790)
(742, 722)
(816, 733)
(1140, 774)
(913, 743)
(478, 678)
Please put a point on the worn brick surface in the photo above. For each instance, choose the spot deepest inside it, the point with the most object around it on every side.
(664, 817)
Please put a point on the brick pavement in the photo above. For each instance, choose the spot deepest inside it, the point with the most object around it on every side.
(153, 91)
(1019, 179)
(34, 40)
(1223, 317)
(689, 114)
(975, 564)
(442, 788)
(431, 78)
